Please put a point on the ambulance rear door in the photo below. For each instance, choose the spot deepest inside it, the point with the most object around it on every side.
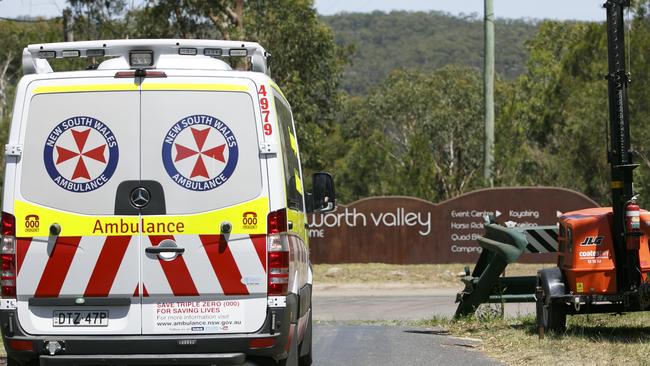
(204, 257)
(77, 260)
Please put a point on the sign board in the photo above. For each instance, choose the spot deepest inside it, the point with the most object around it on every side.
(409, 230)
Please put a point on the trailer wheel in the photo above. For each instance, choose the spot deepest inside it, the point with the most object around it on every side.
(551, 316)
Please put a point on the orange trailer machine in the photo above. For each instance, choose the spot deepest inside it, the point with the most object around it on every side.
(604, 259)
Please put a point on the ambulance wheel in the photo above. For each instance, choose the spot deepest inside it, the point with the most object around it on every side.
(305, 346)
(551, 316)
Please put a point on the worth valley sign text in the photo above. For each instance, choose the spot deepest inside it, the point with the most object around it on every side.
(410, 230)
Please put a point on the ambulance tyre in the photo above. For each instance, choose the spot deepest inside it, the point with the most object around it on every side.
(305, 346)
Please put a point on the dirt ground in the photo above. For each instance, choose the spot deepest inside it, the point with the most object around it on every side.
(411, 278)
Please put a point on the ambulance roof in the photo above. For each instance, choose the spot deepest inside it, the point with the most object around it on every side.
(148, 54)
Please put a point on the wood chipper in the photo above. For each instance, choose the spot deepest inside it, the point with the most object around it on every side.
(604, 259)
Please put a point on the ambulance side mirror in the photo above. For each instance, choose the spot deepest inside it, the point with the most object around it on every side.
(323, 198)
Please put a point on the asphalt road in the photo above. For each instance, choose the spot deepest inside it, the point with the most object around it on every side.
(343, 344)
(349, 305)
(350, 345)
(336, 345)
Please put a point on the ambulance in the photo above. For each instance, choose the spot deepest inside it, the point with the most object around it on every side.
(153, 209)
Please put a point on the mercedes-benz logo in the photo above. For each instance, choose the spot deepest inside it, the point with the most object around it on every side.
(140, 197)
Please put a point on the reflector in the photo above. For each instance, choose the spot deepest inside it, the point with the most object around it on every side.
(187, 51)
(46, 54)
(238, 52)
(212, 52)
(70, 53)
(95, 53)
(261, 342)
(19, 345)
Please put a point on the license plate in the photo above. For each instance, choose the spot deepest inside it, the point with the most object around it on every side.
(85, 318)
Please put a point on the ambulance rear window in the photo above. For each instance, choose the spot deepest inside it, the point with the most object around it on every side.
(78, 147)
(291, 163)
(202, 147)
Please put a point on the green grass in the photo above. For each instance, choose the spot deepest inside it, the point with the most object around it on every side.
(598, 339)
(435, 275)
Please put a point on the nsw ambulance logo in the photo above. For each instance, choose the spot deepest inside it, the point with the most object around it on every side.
(200, 152)
(81, 154)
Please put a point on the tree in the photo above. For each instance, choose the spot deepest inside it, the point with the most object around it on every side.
(93, 19)
(186, 19)
(551, 130)
(418, 134)
(14, 36)
(639, 44)
(306, 63)
(423, 40)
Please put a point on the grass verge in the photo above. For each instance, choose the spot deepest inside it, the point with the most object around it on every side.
(436, 275)
(598, 339)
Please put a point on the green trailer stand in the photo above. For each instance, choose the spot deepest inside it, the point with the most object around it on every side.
(501, 246)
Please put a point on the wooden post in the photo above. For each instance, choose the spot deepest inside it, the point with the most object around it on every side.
(68, 34)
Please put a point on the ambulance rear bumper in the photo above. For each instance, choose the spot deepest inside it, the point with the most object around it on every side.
(172, 359)
(198, 349)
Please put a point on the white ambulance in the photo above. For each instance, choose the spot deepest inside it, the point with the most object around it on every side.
(154, 211)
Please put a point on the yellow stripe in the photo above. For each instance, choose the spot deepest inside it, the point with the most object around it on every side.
(277, 89)
(292, 140)
(84, 88)
(213, 87)
(299, 220)
(207, 223)
(298, 181)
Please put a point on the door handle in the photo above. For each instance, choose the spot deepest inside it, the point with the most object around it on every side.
(158, 250)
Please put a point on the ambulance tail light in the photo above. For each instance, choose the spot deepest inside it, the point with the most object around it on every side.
(277, 222)
(278, 253)
(7, 256)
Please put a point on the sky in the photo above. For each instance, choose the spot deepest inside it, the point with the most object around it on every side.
(533, 9)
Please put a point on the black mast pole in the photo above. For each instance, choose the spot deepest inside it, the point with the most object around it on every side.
(620, 155)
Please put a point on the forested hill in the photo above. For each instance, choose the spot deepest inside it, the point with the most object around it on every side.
(385, 41)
